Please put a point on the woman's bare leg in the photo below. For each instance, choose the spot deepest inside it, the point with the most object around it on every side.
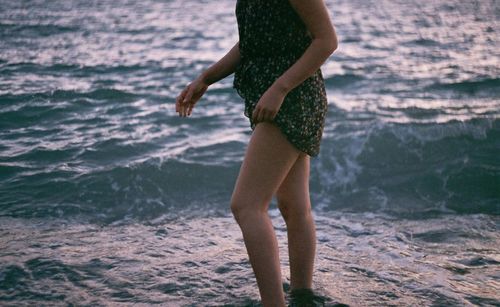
(295, 206)
(268, 159)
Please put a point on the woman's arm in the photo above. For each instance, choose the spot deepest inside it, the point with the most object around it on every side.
(186, 100)
(316, 18)
(224, 67)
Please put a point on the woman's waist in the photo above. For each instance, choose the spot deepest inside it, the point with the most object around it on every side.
(265, 63)
(268, 53)
(261, 72)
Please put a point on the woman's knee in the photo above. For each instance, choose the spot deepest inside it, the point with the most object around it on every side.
(244, 206)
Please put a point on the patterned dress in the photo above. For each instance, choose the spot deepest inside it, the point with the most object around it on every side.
(272, 37)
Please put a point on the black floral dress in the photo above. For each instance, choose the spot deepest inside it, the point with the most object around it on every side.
(272, 37)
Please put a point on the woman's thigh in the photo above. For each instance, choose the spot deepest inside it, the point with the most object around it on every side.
(268, 158)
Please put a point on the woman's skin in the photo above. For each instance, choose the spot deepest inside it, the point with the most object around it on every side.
(272, 165)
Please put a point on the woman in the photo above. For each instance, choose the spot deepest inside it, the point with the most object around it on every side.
(282, 45)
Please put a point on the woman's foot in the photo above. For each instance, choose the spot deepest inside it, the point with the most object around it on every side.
(305, 297)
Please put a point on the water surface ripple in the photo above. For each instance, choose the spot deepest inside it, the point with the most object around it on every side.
(107, 197)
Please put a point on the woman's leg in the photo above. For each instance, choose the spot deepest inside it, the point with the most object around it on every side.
(268, 159)
(295, 206)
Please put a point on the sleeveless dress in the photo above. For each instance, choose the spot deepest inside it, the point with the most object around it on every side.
(272, 37)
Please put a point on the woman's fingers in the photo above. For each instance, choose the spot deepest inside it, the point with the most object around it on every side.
(189, 95)
(178, 105)
(262, 115)
(255, 114)
(184, 109)
(190, 108)
(184, 101)
(187, 99)
(179, 101)
(266, 115)
(187, 106)
(258, 114)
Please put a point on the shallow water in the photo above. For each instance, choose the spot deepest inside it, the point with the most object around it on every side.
(106, 195)
(363, 259)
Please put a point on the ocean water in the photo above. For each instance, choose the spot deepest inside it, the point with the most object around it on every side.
(109, 198)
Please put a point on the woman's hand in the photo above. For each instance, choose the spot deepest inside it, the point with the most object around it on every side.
(268, 105)
(189, 96)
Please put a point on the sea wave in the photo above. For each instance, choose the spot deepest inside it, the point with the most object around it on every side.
(411, 169)
(471, 87)
(402, 169)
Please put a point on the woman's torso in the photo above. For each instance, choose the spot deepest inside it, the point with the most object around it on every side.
(269, 28)
(272, 37)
